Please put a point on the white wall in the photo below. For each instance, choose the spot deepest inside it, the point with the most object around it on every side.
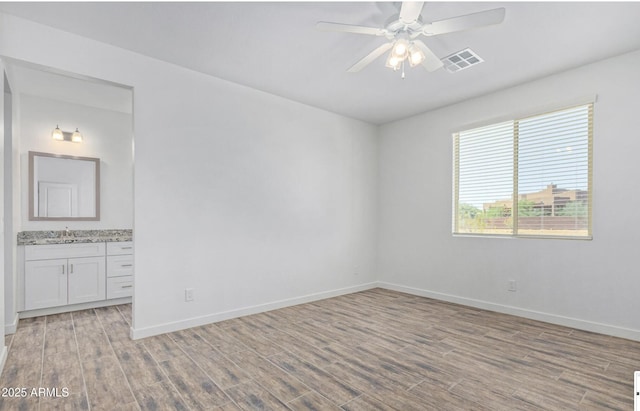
(5, 122)
(248, 198)
(252, 200)
(10, 221)
(588, 284)
(106, 134)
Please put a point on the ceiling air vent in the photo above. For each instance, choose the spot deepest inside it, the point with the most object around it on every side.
(461, 60)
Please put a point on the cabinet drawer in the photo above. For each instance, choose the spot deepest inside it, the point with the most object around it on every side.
(51, 251)
(119, 248)
(119, 265)
(118, 287)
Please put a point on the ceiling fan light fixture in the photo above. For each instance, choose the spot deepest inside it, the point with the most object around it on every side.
(400, 49)
(403, 32)
(416, 56)
(394, 61)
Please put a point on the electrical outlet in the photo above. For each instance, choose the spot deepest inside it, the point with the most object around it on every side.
(188, 294)
(512, 285)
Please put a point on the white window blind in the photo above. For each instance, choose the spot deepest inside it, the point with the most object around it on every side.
(526, 177)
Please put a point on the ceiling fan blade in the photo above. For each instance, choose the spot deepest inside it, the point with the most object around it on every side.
(348, 28)
(370, 57)
(431, 61)
(470, 21)
(410, 11)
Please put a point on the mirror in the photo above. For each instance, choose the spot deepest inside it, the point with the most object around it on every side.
(63, 187)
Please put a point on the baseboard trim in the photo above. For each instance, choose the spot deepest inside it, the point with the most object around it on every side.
(73, 307)
(11, 327)
(600, 328)
(137, 333)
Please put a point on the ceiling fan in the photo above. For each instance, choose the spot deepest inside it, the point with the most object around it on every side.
(403, 33)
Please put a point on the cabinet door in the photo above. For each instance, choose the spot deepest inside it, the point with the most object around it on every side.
(87, 279)
(45, 283)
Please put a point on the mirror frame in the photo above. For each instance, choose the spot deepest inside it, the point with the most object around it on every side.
(32, 216)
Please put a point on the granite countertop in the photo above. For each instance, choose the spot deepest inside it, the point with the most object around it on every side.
(75, 236)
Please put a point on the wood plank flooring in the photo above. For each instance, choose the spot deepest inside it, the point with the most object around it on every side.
(373, 350)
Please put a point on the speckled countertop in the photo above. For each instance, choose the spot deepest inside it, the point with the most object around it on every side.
(75, 236)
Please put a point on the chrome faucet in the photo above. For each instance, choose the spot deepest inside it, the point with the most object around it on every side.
(66, 233)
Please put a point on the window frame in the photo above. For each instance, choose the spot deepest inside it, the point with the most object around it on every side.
(589, 105)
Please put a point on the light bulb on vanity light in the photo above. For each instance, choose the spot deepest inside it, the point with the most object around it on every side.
(76, 137)
(56, 134)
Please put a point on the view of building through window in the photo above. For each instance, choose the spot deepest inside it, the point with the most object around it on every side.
(549, 159)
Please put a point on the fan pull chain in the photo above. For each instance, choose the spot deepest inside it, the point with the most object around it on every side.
(403, 69)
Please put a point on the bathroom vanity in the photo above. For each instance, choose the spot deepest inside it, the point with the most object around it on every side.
(69, 270)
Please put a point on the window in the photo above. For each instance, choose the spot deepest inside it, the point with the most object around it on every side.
(525, 177)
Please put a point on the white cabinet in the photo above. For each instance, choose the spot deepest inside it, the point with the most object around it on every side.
(56, 275)
(86, 280)
(120, 248)
(118, 287)
(62, 274)
(45, 284)
(119, 269)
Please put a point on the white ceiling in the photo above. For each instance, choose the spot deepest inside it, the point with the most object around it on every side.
(275, 47)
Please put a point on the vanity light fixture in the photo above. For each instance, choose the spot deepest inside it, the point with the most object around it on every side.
(76, 137)
(56, 134)
(60, 135)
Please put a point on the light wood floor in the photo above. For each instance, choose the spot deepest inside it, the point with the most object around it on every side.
(373, 350)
